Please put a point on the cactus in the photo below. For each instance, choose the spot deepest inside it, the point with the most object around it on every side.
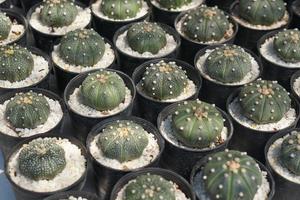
(146, 37)
(264, 101)
(27, 110)
(290, 153)
(149, 187)
(120, 9)
(82, 47)
(173, 4)
(287, 45)
(231, 175)
(228, 64)
(58, 13)
(5, 26)
(262, 12)
(16, 63)
(103, 90)
(123, 141)
(197, 124)
(204, 24)
(41, 159)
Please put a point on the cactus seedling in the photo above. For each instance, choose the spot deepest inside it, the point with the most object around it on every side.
(123, 140)
(149, 187)
(82, 47)
(5, 26)
(42, 159)
(197, 124)
(146, 37)
(264, 101)
(173, 4)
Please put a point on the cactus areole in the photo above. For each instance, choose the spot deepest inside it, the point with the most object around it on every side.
(5, 26)
(173, 4)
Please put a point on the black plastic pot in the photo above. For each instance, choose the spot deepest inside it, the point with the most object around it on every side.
(182, 159)
(295, 8)
(83, 124)
(76, 194)
(216, 92)
(222, 4)
(24, 194)
(149, 107)
(253, 141)
(183, 185)
(27, 4)
(5, 4)
(128, 63)
(196, 179)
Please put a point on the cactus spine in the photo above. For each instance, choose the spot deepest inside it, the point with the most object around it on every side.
(5, 26)
(173, 4)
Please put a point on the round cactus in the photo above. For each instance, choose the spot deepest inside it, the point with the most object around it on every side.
(58, 13)
(149, 187)
(82, 47)
(287, 45)
(103, 90)
(205, 24)
(27, 110)
(173, 4)
(228, 64)
(5, 26)
(197, 124)
(42, 159)
(123, 141)
(231, 175)
(16, 63)
(262, 12)
(264, 101)
(146, 37)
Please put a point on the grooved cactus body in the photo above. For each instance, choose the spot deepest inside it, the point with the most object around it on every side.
(58, 13)
(228, 64)
(123, 140)
(173, 4)
(287, 45)
(231, 175)
(82, 47)
(264, 101)
(197, 124)
(149, 187)
(262, 12)
(5, 26)
(146, 37)
(103, 90)
(42, 159)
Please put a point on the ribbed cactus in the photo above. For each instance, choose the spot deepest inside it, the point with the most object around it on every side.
(231, 175)
(123, 141)
(287, 45)
(290, 153)
(5, 26)
(197, 124)
(262, 12)
(27, 110)
(146, 37)
(228, 64)
(120, 9)
(82, 47)
(103, 90)
(264, 101)
(150, 187)
(42, 159)
(16, 63)
(204, 24)
(173, 4)
(58, 13)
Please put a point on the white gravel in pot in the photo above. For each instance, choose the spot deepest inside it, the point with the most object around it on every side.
(191, 5)
(75, 198)
(235, 111)
(16, 31)
(296, 86)
(75, 168)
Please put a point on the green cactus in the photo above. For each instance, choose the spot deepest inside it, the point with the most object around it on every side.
(103, 90)
(58, 13)
(197, 124)
(228, 64)
(205, 24)
(262, 12)
(149, 187)
(173, 4)
(146, 37)
(82, 47)
(27, 110)
(123, 140)
(264, 101)
(5, 26)
(287, 45)
(16, 63)
(120, 9)
(42, 159)
(231, 175)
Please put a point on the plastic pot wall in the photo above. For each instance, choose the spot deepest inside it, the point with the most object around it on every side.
(295, 8)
